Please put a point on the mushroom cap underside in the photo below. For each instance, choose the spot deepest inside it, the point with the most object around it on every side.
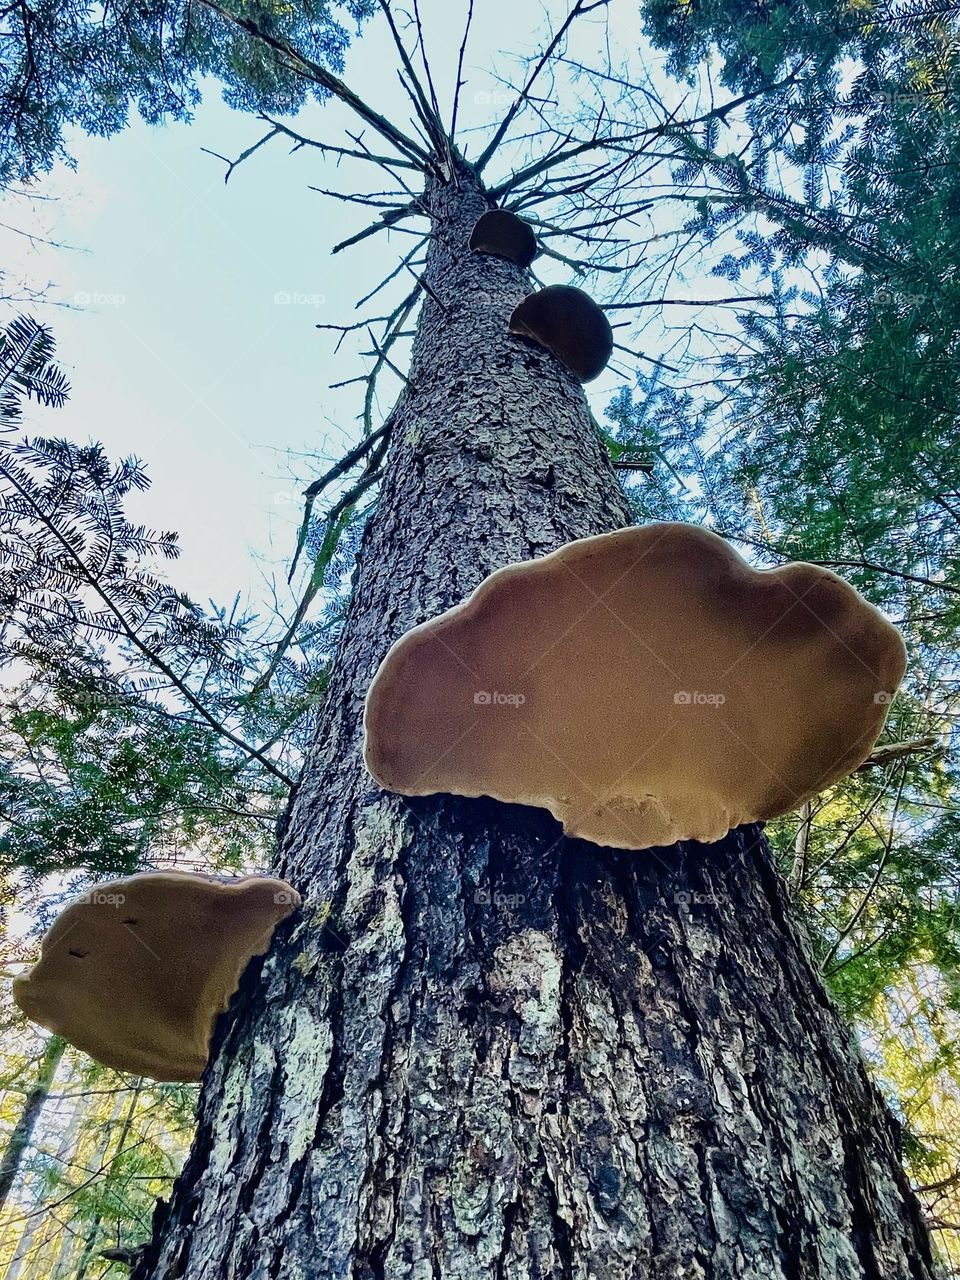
(568, 322)
(645, 686)
(136, 971)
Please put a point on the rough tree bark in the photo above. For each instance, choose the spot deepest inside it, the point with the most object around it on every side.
(486, 1051)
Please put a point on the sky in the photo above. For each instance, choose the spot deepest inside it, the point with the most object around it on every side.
(184, 308)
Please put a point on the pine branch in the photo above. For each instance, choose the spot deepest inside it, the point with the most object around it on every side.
(319, 75)
(26, 369)
(130, 633)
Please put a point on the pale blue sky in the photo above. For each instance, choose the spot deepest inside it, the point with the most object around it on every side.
(176, 346)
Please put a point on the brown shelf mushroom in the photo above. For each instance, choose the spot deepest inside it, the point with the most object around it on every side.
(136, 971)
(569, 323)
(644, 686)
(504, 235)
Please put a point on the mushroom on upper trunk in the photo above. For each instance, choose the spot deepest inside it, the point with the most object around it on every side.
(569, 323)
(500, 232)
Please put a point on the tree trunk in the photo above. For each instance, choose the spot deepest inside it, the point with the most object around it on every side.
(100, 1161)
(29, 1256)
(484, 1050)
(22, 1132)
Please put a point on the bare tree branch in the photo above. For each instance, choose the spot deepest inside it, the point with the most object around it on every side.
(669, 127)
(371, 199)
(846, 563)
(686, 302)
(460, 80)
(386, 220)
(427, 113)
(578, 10)
(882, 756)
(871, 888)
(421, 45)
(388, 162)
(244, 155)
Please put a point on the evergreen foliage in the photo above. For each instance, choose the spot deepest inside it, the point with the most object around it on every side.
(82, 65)
(129, 718)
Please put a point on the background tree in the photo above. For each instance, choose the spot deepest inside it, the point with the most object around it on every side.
(66, 65)
(85, 1189)
(25, 1122)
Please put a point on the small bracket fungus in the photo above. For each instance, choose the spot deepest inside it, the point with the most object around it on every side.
(504, 235)
(136, 971)
(645, 686)
(569, 323)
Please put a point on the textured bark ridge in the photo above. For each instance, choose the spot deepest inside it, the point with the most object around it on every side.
(483, 1050)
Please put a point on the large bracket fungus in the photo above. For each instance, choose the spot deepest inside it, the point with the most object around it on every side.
(645, 686)
(136, 971)
(503, 234)
(569, 323)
